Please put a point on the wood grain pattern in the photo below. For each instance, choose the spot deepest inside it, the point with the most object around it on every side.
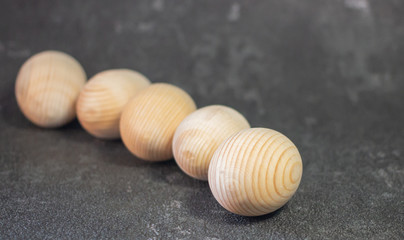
(103, 98)
(149, 121)
(47, 88)
(255, 172)
(200, 134)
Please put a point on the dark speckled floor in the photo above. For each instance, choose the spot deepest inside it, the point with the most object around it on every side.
(327, 73)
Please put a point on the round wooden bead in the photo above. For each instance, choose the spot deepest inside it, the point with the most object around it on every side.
(200, 134)
(149, 120)
(102, 99)
(47, 88)
(255, 172)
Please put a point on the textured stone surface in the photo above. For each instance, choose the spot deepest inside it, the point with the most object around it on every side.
(329, 74)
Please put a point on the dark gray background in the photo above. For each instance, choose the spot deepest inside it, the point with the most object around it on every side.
(329, 74)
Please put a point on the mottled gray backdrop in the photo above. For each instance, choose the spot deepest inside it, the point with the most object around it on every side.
(329, 74)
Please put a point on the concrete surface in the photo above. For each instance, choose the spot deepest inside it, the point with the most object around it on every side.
(329, 74)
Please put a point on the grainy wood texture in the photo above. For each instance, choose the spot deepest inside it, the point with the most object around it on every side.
(103, 98)
(255, 172)
(47, 88)
(149, 121)
(200, 134)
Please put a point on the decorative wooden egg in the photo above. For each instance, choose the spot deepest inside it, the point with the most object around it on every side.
(255, 172)
(149, 120)
(102, 99)
(47, 88)
(200, 134)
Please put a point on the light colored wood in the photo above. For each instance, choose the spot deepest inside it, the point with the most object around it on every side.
(255, 172)
(200, 134)
(149, 120)
(47, 88)
(103, 98)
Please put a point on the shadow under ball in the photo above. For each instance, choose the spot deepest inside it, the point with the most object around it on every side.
(47, 88)
(103, 98)
(255, 172)
(149, 120)
(200, 134)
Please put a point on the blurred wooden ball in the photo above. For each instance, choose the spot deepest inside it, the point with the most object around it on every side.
(149, 120)
(103, 98)
(200, 134)
(255, 172)
(47, 88)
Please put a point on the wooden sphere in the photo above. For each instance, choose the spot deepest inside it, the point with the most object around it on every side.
(47, 88)
(102, 99)
(149, 120)
(255, 172)
(200, 134)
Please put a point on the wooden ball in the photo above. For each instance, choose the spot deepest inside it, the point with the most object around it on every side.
(149, 120)
(255, 172)
(200, 134)
(102, 99)
(47, 88)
